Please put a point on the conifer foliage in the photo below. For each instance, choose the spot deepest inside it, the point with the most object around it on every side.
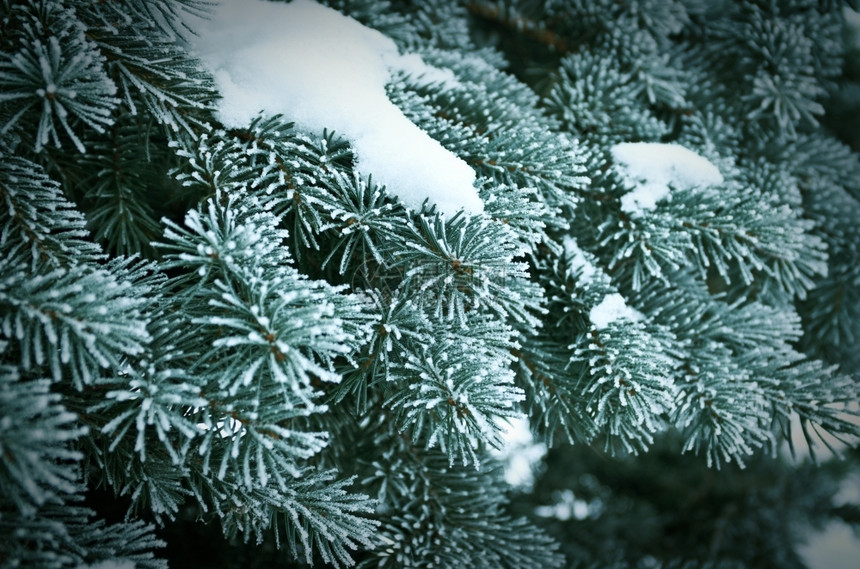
(238, 329)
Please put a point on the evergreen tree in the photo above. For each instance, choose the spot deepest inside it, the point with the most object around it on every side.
(233, 346)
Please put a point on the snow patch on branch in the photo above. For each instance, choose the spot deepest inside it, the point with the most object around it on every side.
(321, 69)
(520, 453)
(576, 259)
(654, 167)
(612, 308)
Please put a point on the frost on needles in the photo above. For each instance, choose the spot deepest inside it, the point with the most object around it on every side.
(276, 279)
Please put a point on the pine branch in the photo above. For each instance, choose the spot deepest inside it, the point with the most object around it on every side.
(52, 319)
(56, 69)
(37, 217)
(40, 465)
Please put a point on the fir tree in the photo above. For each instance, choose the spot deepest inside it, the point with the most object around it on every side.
(232, 345)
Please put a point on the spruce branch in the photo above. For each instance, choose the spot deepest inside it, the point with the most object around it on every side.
(40, 465)
(37, 217)
(53, 319)
(57, 70)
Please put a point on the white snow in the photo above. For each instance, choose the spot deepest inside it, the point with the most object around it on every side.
(520, 453)
(576, 259)
(612, 308)
(322, 69)
(835, 546)
(566, 506)
(654, 167)
(412, 65)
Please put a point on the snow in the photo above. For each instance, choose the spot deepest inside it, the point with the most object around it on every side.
(835, 546)
(520, 453)
(322, 69)
(577, 260)
(612, 308)
(655, 167)
(412, 65)
(566, 506)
